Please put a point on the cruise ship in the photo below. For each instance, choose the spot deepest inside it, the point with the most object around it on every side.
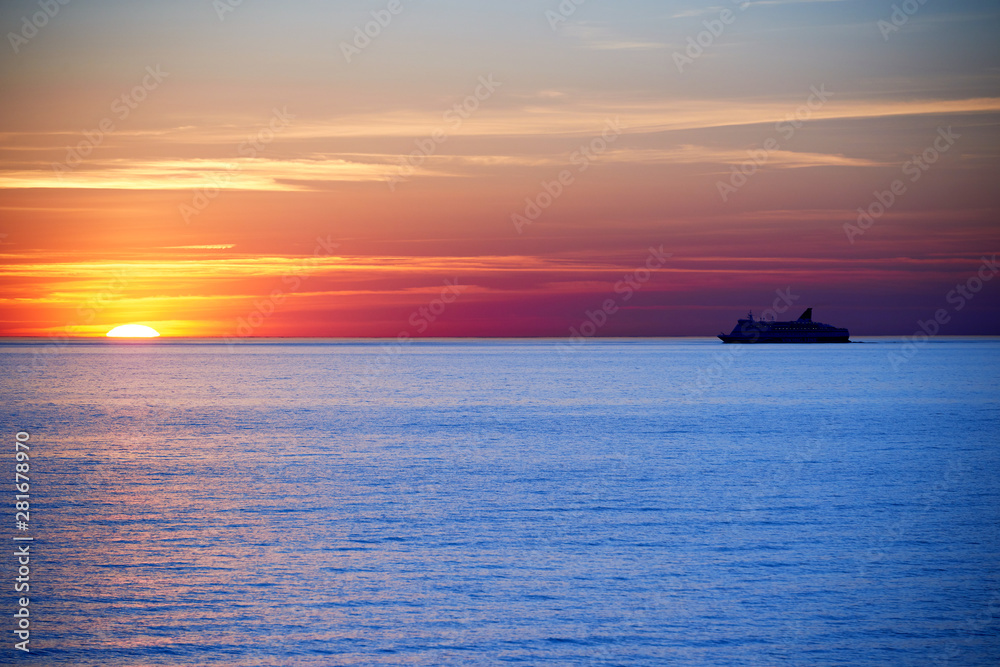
(802, 330)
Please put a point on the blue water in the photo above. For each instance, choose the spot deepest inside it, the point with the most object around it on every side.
(475, 502)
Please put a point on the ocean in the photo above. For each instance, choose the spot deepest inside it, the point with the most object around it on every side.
(482, 502)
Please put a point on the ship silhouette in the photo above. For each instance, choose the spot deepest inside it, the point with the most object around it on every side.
(802, 330)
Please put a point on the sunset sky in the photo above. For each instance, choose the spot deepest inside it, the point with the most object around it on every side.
(240, 168)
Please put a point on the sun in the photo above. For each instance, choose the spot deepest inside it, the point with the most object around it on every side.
(133, 331)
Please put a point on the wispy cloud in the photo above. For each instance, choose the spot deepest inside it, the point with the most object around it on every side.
(240, 174)
(309, 170)
(602, 38)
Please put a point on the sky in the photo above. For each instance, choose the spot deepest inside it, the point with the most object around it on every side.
(406, 168)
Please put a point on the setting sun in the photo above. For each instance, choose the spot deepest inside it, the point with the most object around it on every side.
(133, 331)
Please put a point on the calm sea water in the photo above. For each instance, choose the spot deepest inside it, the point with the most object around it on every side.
(475, 502)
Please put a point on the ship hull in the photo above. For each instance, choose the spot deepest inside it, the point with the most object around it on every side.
(782, 339)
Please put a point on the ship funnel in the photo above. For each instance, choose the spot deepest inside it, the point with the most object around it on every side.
(806, 316)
